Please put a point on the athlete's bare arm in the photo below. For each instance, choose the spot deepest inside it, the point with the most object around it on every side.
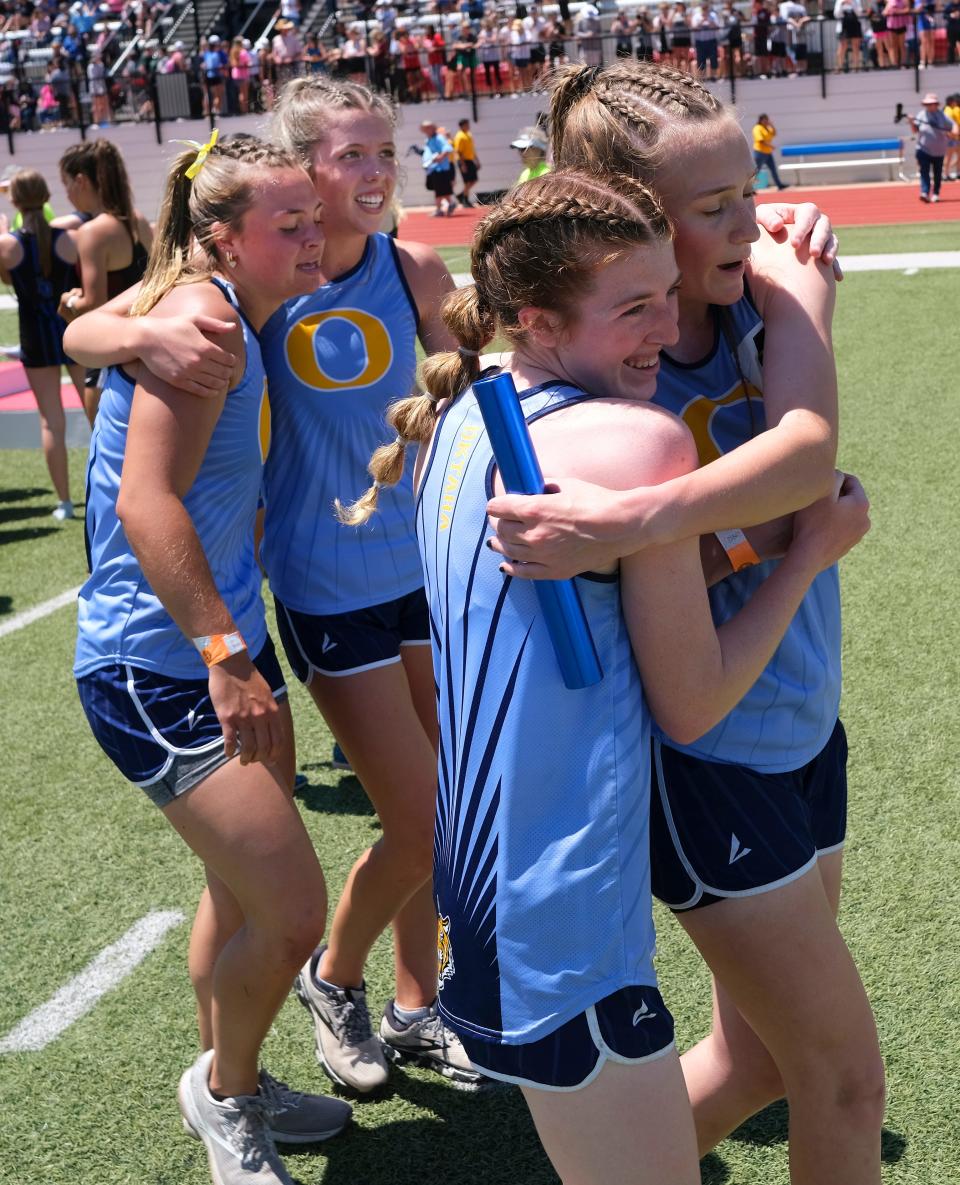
(584, 526)
(693, 672)
(166, 442)
(176, 347)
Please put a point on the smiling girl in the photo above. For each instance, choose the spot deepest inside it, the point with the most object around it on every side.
(748, 821)
(350, 604)
(175, 668)
(541, 876)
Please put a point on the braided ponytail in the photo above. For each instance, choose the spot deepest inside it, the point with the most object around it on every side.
(444, 376)
(222, 191)
(540, 248)
(617, 118)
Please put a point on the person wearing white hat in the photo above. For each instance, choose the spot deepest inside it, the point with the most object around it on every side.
(532, 146)
(934, 133)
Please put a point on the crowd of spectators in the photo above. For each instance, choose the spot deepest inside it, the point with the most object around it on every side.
(55, 55)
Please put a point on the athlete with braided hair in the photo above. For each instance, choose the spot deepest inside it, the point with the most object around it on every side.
(175, 668)
(748, 821)
(351, 610)
(545, 933)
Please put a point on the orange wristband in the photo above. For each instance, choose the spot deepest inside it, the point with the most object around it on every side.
(739, 551)
(215, 648)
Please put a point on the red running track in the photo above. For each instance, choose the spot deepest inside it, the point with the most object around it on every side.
(847, 205)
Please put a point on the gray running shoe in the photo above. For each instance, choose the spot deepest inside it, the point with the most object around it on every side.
(239, 1145)
(296, 1118)
(430, 1043)
(346, 1046)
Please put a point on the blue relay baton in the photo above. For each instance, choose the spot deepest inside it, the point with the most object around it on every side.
(520, 471)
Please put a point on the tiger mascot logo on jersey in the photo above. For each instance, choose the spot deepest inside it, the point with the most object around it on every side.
(445, 966)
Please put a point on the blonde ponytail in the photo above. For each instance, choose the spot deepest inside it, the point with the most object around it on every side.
(220, 192)
(444, 376)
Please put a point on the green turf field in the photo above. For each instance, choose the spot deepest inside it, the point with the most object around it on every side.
(854, 240)
(83, 855)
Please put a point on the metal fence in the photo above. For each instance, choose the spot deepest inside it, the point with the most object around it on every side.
(448, 67)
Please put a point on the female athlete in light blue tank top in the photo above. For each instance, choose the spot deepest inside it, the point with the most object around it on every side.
(545, 936)
(748, 822)
(350, 606)
(174, 667)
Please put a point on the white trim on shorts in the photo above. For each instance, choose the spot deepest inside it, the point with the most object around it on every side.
(835, 847)
(370, 666)
(415, 642)
(606, 1055)
(315, 670)
(701, 885)
(172, 750)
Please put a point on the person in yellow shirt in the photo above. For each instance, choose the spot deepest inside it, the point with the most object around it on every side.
(951, 163)
(763, 136)
(467, 160)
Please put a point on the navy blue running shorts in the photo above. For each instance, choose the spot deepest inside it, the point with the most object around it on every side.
(339, 644)
(719, 831)
(162, 733)
(630, 1027)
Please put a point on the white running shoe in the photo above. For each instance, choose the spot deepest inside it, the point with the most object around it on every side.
(239, 1145)
(63, 510)
(430, 1043)
(346, 1046)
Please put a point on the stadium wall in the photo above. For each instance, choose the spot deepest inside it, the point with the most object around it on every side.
(857, 106)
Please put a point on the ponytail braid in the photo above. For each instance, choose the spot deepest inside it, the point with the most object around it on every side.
(538, 248)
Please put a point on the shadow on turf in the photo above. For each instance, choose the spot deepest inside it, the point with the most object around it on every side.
(21, 495)
(26, 533)
(15, 514)
(770, 1126)
(451, 1144)
(330, 793)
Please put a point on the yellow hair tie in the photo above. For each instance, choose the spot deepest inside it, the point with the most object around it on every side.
(203, 151)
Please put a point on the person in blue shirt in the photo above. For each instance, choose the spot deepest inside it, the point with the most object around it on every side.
(748, 822)
(175, 669)
(541, 870)
(437, 160)
(214, 62)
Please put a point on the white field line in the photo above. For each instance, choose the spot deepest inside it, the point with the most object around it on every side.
(849, 263)
(19, 620)
(100, 976)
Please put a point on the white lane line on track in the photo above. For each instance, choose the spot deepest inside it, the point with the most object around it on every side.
(895, 263)
(100, 976)
(849, 263)
(19, 620)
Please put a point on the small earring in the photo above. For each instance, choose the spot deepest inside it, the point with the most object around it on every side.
(231, 260)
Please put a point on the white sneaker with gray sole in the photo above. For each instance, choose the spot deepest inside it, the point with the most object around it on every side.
(429, 1043)
(346, 1046)
(239, 1145)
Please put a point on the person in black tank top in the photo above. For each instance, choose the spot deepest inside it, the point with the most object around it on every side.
(39, 262)
(95, 179)
(122, 278)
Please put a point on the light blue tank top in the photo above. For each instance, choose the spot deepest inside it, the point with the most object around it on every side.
(541, 873)
(787, 717)
(121, 619)
(336, 360)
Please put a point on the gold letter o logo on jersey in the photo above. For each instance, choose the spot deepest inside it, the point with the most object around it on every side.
(302, 353)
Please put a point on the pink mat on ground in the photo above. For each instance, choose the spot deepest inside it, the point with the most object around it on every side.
(15, 393)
